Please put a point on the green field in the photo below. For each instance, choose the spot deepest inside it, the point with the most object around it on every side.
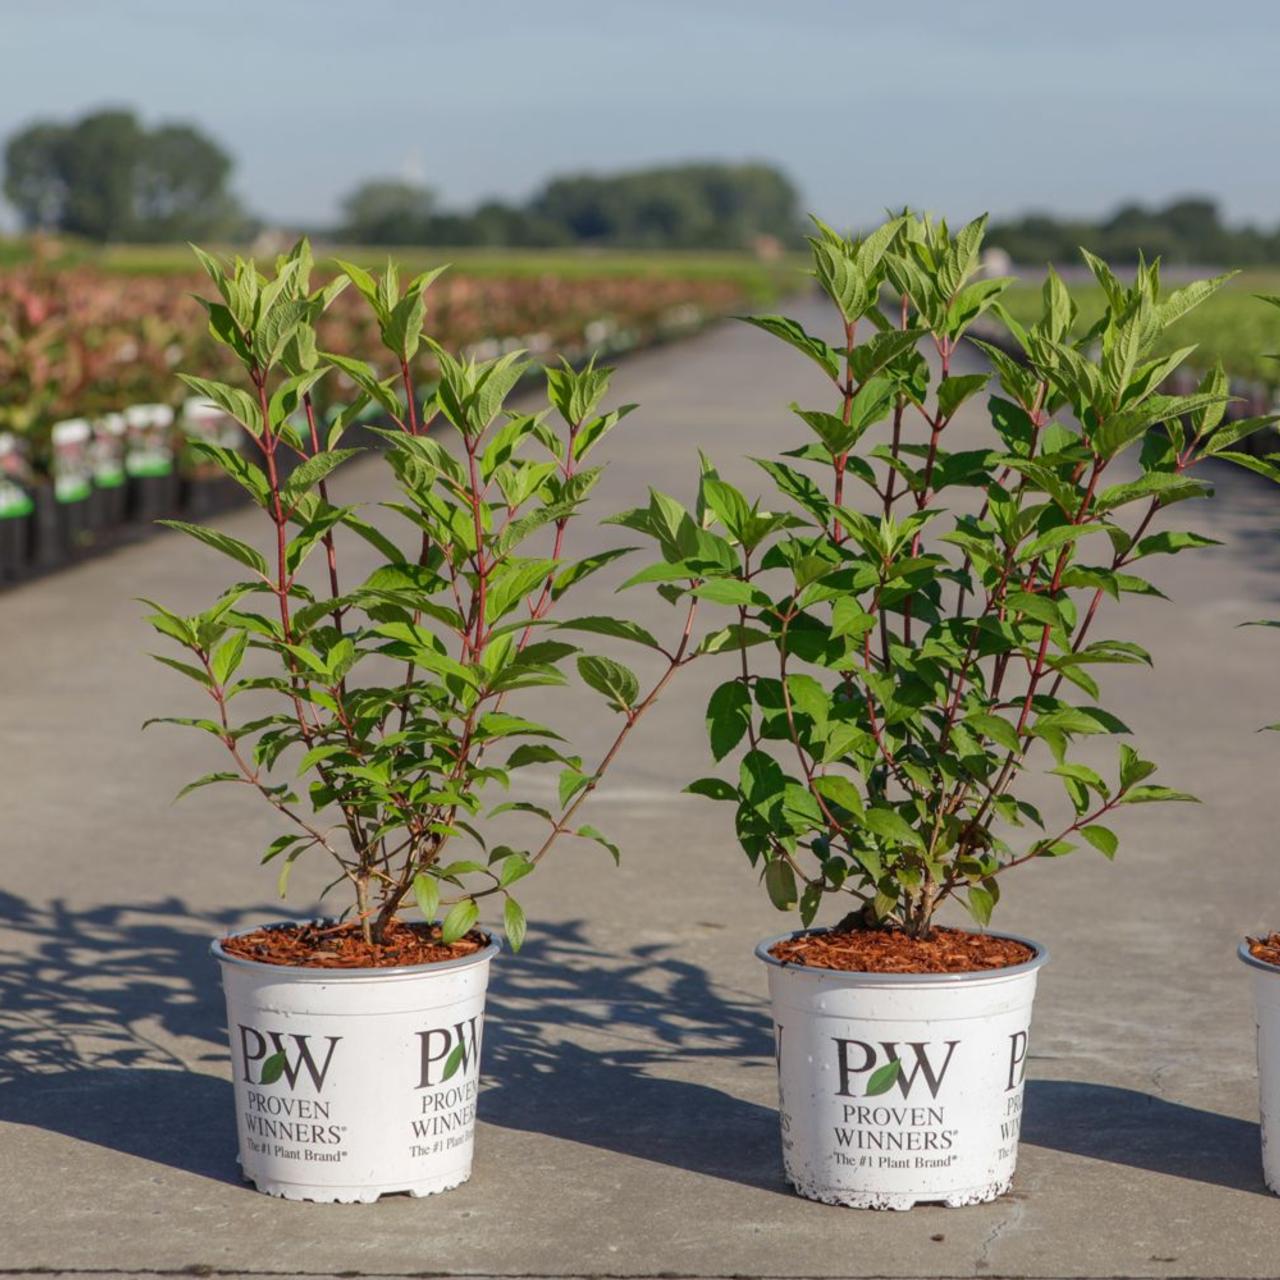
(1231, 326)
(760, 278)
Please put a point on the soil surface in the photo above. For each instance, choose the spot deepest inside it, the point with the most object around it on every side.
(892, 951)
(341, 946)
(1266, 949)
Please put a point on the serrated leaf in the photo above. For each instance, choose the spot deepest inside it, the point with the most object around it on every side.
(618, 683)
(309, 473)
(208, 780)
(223, 542)
(620, 628)
(792, 332)
(1154, 794)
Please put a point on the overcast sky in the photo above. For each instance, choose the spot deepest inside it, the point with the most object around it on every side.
(953, 105)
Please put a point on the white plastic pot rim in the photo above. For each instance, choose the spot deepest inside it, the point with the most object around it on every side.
(862, 979)
(1254, 963)
(311, 973)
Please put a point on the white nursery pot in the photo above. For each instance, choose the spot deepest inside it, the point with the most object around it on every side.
(946, 1128)
(370, 1100)
(1266, 998)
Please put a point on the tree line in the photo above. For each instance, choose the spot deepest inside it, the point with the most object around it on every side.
(107, 177)
(1186, 231)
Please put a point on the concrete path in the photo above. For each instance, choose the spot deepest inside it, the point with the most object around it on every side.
(628, 1126)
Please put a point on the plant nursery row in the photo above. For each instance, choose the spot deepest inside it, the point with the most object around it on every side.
(95, 444)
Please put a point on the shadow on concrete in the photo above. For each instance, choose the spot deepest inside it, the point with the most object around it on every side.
(112, 1032)
(111, 1019)
(1140, 1131)
(181, 1119)
(582, 1045)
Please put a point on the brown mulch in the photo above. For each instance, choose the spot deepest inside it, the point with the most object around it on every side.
(892, 951)
(1265, 949)
(341, 946)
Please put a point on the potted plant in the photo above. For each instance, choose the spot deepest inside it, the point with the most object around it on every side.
(149, 462)
(1262, 955)
(68, 502)
(110, 489)
(912, 628)
(16, 507)
(356, 1041)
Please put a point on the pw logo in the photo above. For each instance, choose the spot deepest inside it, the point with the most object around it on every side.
(452, 1049)
(883, 1066)
(274, 1060)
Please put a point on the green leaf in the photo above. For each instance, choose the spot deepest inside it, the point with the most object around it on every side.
(780, 883)
(728, 717)
(849, 618)
(1164, 485)
(999, 730)
(618, 683)
(841, 791)
(364, 377)
(588, 832)
(733, 636)
(980, 902)
(426, 892)
(1102, 839)
(223, 542)
(954, 391)
(584, 568)
(309, 473)
(621, 628)
(461, 916)
(192, 673)
(571, 782)
(1132, 767)
(208, 780)
(731, 591)
(246, 474)
(1152, 794)
(1056, 538)
(226, 661)
(891, 826)
(239, 404)
(712, 789)
(792, 332)
(513, 920)
(1170, 542)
